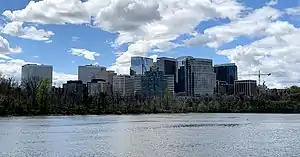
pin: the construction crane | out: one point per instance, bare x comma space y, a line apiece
261, 74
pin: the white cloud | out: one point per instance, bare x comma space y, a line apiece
127, 15
51, 12
5, 47
154, 57
171, 19
61, 78
48, 41
260, 22
4, 56
11, 68
16, 29
84, 53
278, 55
35, 56
293, 11
272, 2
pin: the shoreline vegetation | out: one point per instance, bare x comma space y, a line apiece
34, 98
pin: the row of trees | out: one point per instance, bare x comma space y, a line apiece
36, 98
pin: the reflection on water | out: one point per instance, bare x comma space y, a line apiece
183, 135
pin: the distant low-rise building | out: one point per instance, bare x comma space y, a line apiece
74, 90
245, 87
222, 87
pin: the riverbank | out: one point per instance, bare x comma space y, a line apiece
170, 113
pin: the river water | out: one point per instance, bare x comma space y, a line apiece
175, 135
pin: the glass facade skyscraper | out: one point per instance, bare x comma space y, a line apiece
169, 67
139, 65
154, 83
226, 72
200, 78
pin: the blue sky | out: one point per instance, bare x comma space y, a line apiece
69, 33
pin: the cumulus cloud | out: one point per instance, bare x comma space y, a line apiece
293, 11
5, 47
16, 29
175, 18
4, 56
51, 12
61, 78
127, 15
260, 22
272, 3
84, 53
278, 55
48, 41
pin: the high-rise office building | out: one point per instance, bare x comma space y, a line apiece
34, 72
169, 67
226, 72
180, 78
245, 87
123, 85
139, 65
154, 83
200, 78
170, 79
89, 72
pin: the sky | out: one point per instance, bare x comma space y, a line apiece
257, 35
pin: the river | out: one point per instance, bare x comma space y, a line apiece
174, 135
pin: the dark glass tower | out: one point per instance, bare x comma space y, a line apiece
226, 72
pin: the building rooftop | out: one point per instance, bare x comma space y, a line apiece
74, 81
166, 58
245, 81
36, 65
92, 66
201, 59
122, 75
226, 64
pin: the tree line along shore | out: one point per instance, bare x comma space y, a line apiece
35, 98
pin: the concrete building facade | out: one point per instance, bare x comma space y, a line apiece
74, 87
95, 87
245, 87
170, 79
123, 85
200, 78
37, 72
89, 72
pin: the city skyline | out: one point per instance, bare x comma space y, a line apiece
267, 41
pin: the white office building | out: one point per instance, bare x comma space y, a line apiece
35, 72
89, 72
123, 85
200, 78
